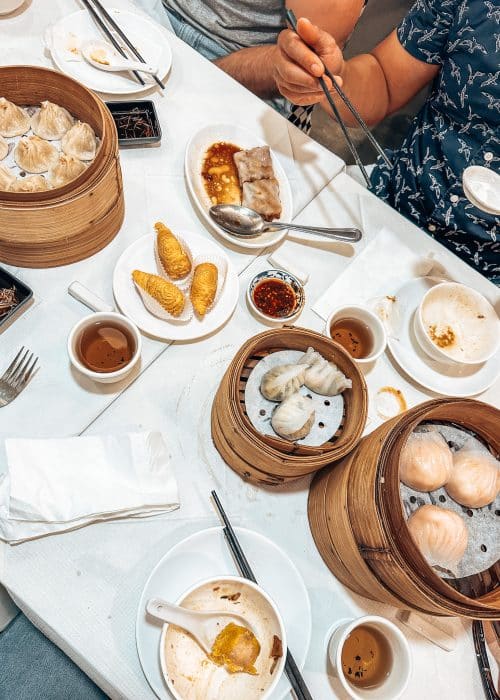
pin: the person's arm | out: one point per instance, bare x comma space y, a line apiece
254, 67
378, 83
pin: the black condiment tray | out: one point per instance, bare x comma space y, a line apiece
23, 293
147, 110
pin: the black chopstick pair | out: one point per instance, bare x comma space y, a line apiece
483, 662
291, 669
292, 21
101, 16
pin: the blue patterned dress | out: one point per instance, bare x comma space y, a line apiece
458, 126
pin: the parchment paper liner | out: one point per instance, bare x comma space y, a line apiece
154, 307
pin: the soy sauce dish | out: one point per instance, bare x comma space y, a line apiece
276, 295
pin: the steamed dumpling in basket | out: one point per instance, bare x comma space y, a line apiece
65, 169
14, 120
321, 376
32, 183
35, 155
7, 177
80, 141
51, 121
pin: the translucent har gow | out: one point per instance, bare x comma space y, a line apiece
51, 121
475, 477
14, 120
440, 534
7, 177
34, 155
426, 461
281, 382
294, 417
80, 141
64, 170
321, 376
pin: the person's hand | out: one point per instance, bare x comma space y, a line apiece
297, 67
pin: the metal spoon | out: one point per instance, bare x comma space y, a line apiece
102, 55
245, 222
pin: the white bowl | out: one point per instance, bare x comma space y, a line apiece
184, 664
118, 319
284, 276
466, 316
395, 684
363, 314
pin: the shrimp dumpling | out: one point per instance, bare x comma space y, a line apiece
440, 534
51, 121
32, 183
80, 141
293, 418
7, 177
35, 155
65, 169
14, 120
426, 461
325, 378
281, 382
475, 477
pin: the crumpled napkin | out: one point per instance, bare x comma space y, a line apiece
62, 484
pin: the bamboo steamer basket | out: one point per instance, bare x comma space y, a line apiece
70, 223
358, 523
270, 460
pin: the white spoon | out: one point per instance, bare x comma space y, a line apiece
203, 626
103, 56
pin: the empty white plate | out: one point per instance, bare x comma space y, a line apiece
195, 154
206, 554
482, 187
71, 31
140, 256
449, 380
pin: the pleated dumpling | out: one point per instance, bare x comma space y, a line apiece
173, 258
4, 148
32, 183
51, 121
80, 141
293, 418
166, 294
65, 169
7, 177
35, 155
204, 287
282, 381
14, 120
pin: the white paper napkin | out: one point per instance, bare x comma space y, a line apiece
57, 485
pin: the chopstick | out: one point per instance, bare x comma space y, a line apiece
482, 661
124, 37
112, 39
292, 20
291, 669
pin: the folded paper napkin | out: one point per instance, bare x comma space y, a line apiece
55, 485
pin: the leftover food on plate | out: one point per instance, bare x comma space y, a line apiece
236, 648
232, 175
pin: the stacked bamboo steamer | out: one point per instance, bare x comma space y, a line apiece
70, 223
357, 519
270, 460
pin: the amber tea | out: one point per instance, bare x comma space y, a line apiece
353, 335
366, 657
105, 347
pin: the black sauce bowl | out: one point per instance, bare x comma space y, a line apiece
143, 108
23, 293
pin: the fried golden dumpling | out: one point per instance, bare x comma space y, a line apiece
32, 183
171, 254
35, 155
51, 121
65, 169
14, 120
80, 141
4, 148
168, 296
204, 287
7, 177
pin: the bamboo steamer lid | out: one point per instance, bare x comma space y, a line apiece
69, 223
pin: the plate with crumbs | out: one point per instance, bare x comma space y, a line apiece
255, 178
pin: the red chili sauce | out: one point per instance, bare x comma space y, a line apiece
275, 298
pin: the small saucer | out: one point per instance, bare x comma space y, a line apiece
482, 187
282, 276
458, 380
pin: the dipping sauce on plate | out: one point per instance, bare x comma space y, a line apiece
275, 298
353, 335
366, 657
220, 175
105, 347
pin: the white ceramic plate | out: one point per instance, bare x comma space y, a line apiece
140, 255
206, 554
148, 38
449, 380
195, 153
482, 186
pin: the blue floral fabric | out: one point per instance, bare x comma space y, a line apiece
458, 126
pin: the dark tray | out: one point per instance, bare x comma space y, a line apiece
23, 293
143, 108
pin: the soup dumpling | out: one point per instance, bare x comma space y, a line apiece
32, 183
35, 155
80, 141
65, 170
7, 177
51, 121
14, 120
426, 461
4, 148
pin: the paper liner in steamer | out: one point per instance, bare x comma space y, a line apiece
154, 307
183, 283
221, 266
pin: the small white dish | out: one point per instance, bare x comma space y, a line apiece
369, 319
206, 554
282, 276
64, 40
185, 667
396, 682
456, 324
484, 186
443, 378
141, 255
7, 6
104, 317
195, 154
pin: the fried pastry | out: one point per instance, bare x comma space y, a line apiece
204, 287
173, 257
170, 297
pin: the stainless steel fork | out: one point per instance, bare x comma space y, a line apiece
16, 376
